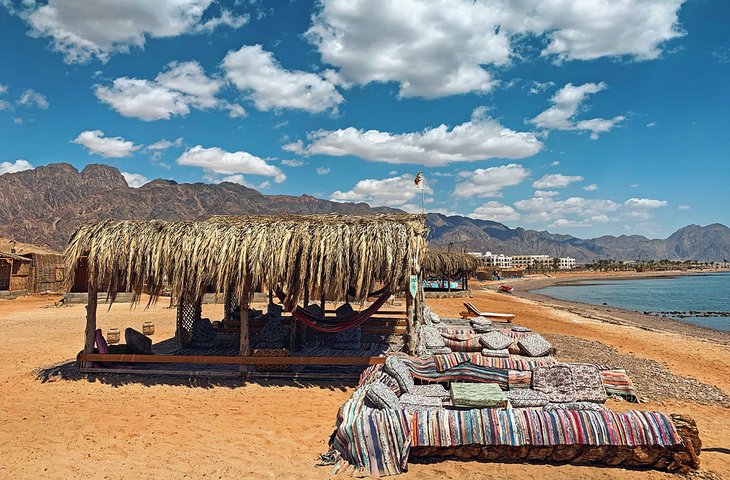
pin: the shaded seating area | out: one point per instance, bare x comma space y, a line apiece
447, 271
325, 258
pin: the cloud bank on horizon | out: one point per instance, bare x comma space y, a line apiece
571, 116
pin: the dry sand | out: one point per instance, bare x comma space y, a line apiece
165, 428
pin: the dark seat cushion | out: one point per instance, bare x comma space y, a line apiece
137, 342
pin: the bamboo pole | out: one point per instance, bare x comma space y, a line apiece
91, 304
410, 323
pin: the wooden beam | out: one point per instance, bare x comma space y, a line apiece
245, 346
227, 359
410, 323
91, 304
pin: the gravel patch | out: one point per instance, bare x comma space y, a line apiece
652, 380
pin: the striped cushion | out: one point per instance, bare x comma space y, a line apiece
575, 406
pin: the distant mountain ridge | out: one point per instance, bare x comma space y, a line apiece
45, 205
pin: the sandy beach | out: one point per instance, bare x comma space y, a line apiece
64, 426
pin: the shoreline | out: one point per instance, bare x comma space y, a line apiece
525, 288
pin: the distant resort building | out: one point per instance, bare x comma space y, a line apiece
566, 263
499, 261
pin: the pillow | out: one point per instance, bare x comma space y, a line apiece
524, 398
137, 342
495, 340
315, 310
503, 353
534, 345
555, 381
203, 332
588, 383
397, 369
274, 310
574, 406
381, 396
415, 402
435, 318
519, 329
273, 332
483, 328
101, 344
433, 337
344, 311
480, 321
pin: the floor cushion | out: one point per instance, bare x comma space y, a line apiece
483, 328
588, 383
397, 369
344, 310
381, 396
412, 401
274, 310
495, 340
555, 381
519, 329
534, 345
137, 341
477, 395
349, 339
273, 332
433, 337
523, 398
480, 321
315, 310
435, 390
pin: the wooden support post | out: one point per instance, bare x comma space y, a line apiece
244, 349
448, 282
90, 317
410, 323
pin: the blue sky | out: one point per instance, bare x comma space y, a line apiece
587, 118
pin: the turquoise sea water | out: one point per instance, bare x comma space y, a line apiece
710, 292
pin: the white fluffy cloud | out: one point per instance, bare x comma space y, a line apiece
82, 30
107, 147
496, 212
391, 192
31, 97
164, 144
489, 182
478, 139
272, 87
577, 212
323, 170
591, 188
135, 180
174, 90
556, 180
289, 162
220, 161
566, 102
16, 166
445, 47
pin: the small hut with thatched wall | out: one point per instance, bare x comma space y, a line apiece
31, 272
447, 271
302, 257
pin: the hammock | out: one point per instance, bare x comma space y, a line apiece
351, 321
334, 326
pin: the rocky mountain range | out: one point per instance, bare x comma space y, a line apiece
43, 206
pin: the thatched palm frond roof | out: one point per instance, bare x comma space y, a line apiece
319, 253
437, 263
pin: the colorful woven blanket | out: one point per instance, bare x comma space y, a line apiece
617, 382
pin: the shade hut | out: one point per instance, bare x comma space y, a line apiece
31, 272
445, 266
305, 256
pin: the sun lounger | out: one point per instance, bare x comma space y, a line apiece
472, 311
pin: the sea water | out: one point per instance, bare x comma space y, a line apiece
702, 292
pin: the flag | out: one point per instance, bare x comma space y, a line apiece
419, 180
